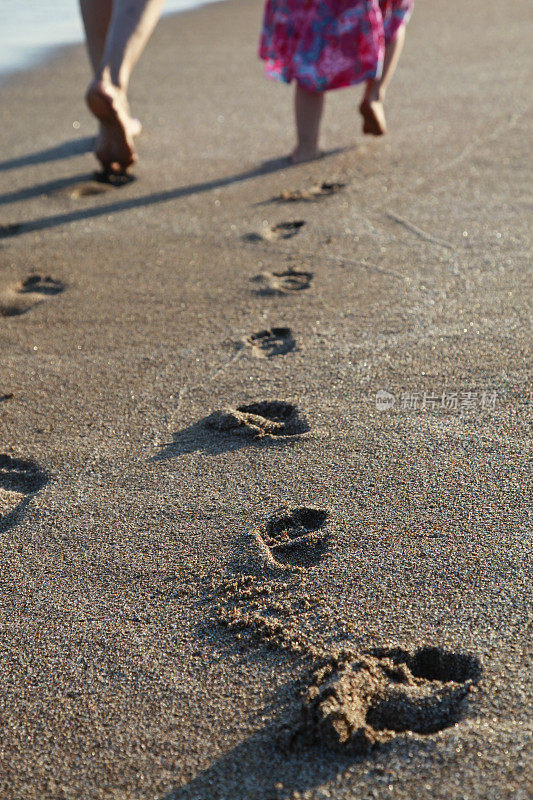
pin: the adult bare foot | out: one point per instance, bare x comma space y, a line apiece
374, 121
114, 147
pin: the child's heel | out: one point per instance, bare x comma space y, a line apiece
374, 121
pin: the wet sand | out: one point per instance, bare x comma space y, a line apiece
263, 469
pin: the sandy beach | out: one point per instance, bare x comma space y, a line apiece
264, 429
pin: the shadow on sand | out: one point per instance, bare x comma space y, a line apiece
44, 188
23, 478
156, 198
259, 768
73, 147
200, 438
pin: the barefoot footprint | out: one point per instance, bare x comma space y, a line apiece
361, 701
316, 192
272, 342
283, 230
271, 418
293, 538
31, 290
283, 282
40, 285
103, 182
19, 481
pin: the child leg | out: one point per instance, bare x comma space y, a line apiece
308, 108
372, 106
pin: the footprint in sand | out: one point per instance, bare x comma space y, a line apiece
283, 230
293, 538
271, 418
271, 342
367, 700
31, 290
19, 481
102, 183
283, 282
89, 189
314, 193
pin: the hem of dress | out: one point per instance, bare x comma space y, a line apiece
275, 75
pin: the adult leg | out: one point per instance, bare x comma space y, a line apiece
96, 15
117, 33
308, 108
372, 106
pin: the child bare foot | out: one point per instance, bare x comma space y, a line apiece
303, 153
374, 121
302, 41
114, 148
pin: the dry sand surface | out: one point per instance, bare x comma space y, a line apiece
226, 574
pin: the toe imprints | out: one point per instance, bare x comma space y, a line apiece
19, 298
293, 538
314, 193
39, 285
271, 418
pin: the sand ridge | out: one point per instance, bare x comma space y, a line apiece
350, 701
273, 418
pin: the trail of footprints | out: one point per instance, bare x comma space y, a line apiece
355, 700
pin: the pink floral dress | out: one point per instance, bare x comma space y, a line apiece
328, 44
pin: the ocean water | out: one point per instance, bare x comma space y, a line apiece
31, 29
